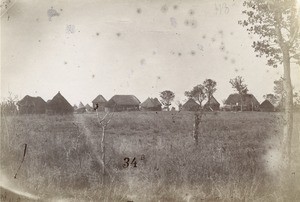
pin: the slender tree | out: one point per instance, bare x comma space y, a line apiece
8, 106
210, 88
167, 98
239, 85
276, 23
103, 122
197, 93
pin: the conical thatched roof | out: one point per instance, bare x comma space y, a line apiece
248, 99
212, 105
88, 107
80, 105
267, 106
125, 100
212, 101
151, 103
28, 100
81, 108
157, 102
99, 99
147, 103
35, 105
190, 105
59, 105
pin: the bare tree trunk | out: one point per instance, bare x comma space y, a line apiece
288, 91
103, 154
241, 101
196, 127
242, 105
288, 115
287, 179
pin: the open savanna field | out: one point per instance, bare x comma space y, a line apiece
236, 159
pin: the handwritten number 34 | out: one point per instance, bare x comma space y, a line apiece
127, 162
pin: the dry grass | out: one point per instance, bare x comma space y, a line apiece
62, 160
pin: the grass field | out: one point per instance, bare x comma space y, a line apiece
235, 160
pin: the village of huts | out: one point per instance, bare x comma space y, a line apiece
59, 105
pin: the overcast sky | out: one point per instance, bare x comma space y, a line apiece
128, 47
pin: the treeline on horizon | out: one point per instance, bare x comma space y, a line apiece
198, 93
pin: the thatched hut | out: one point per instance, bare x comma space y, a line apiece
267, 106
75, 107
212, 104
81, 109
151, 104
31, 105
81, 105
245, 102
59, 105
89, 108
123, 103
99, 103
190, 105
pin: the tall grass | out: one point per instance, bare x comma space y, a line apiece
62, 161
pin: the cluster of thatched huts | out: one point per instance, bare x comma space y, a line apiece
247, 102
36, 105
192, 105
59, 105
234, 102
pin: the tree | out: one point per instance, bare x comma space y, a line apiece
238, 84
8, 106
276, 22
197, 93
274, 99
280, 92
210, 88
104, 122
167, 97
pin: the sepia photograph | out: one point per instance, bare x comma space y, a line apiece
150, 101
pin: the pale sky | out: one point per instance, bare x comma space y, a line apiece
128, 47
